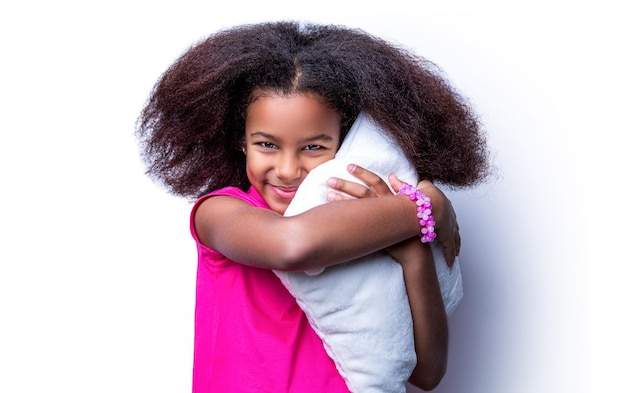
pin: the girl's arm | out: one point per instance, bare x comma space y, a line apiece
430, 324
325, 235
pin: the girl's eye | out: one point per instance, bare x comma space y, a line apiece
267, 145
313, 147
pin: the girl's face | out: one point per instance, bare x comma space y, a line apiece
286, 137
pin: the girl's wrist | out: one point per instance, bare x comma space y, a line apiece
424, 211
438, 202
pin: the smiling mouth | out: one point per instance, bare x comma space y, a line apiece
285, 192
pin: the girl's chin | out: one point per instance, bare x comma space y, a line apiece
279, 207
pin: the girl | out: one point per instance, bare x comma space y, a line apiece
237, 122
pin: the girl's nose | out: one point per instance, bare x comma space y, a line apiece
288, 167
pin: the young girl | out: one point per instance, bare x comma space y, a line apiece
237, 122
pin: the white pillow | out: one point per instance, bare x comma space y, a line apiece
360, 309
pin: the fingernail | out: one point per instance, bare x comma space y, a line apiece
331, 196
332, 182
351, 168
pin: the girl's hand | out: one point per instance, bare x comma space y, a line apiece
374, 187
345, 189
447, 227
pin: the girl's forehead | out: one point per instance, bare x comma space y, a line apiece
293, 113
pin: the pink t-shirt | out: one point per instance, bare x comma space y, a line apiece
250, 334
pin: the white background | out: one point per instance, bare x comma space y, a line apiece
97, 267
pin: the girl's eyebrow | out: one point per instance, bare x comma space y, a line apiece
262, 134
320, 137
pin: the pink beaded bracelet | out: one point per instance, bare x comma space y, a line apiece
424, 211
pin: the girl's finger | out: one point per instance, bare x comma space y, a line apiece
349, 188
336, 196
395, 182
372, 180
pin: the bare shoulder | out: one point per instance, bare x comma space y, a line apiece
219, 204
214, 212
220, 219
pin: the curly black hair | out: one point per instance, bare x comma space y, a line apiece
192, 126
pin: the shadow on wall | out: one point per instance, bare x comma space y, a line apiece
521, 326
478, 327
